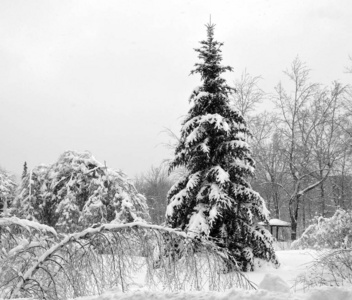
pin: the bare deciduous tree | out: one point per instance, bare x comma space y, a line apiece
308, 124
154, 185
271, 164
247, 93
349, 68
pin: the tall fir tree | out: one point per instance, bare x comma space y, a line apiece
215, 200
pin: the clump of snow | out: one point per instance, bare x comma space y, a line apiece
274, 283
197, 126
219, 174
265, 210
213, 213
198, 223
195, 135
242, 164
215, 193
175, 201
195, 92
201, 95
193, 180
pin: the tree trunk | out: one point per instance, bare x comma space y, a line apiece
304, 213
293, 208
322, 197
293, 229
276, 201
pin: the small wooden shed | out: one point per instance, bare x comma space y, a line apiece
274, 225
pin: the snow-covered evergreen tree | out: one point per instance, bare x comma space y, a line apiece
25, 170
78, 191
33, 201
215, 200
7, 190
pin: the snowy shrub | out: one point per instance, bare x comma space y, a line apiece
20, 240
330, 268
51, 266
333, 233
78, 191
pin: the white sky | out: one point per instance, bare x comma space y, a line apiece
109, 76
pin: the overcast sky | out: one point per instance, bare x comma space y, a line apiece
109, 76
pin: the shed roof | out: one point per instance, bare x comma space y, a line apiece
277, 222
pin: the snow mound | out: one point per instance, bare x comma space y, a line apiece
274, 283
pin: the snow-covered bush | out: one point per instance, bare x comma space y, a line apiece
78, 191
333, 233
7, 190
20, 241
333, 265
330, 268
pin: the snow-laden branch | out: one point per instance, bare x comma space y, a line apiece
27, 224
89, 261
82, 235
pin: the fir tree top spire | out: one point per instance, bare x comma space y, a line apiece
25, 170
210, 69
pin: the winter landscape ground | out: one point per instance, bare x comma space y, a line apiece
118, 261
271, 283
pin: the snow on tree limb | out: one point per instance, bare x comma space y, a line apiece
117, 242
27, 224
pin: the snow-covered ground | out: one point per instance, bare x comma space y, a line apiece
273, 284
293, 263
314, 294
